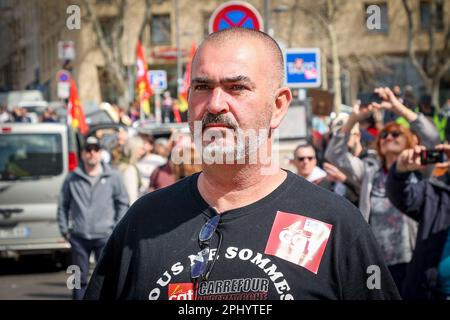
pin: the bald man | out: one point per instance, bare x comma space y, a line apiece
242, 228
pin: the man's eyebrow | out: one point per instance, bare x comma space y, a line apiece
202, 80
240, 78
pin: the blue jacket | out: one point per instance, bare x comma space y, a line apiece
427, 202
91, 211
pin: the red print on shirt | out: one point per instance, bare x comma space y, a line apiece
298, 239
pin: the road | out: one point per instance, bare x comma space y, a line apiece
32, 278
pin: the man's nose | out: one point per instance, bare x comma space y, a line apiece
217, 103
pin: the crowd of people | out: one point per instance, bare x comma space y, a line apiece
378, 168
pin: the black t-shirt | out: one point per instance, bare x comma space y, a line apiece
299, 242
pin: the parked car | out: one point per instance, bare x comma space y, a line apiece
34, 161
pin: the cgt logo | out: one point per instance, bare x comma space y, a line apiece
181, 291
298, 239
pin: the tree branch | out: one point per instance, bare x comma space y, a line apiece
323, 21
147, 19
446, 50
443, 69
292, 22
411, 48
117, 32
432, 58
113, 66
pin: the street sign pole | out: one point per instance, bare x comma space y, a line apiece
158, 82
158, 106
142, 114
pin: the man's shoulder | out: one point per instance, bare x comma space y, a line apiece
319, 203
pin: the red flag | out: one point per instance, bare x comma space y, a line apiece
182, 99
75, 114
143, 87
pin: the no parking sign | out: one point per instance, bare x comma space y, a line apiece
235, 14
63, 84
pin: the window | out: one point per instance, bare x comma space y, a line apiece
377, 18
30, 155
108, 89
161, 29
107, 25
425, 15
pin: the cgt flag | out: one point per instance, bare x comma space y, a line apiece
143, 88
182, 98
75, 114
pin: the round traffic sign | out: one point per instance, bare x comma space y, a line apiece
235, 14
63, 76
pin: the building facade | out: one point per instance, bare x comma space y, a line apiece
368, 56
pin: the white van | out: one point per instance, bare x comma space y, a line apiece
34, 160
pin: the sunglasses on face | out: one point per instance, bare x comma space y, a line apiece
92, 148
200, 267
301, 159
394, 134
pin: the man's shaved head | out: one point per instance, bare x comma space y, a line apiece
235, 34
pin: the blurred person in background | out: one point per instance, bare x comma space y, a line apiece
5, 116
330, 178
445, 111
122, 117
162, 147
409, 99
93, 199
394, 231
438, 118
21, 115
117, 153
134, 112
389, 115
339, 183
133, 151
49, 115
446, 108
187, 163
428, 202
149, 162
167, 108
305, 162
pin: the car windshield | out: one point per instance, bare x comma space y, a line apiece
30, 156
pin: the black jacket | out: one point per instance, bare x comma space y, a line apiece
428, 202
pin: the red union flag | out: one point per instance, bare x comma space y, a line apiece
298, 239
181, 291
143, 88
75, 114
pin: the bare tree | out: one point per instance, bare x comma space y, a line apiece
436, 62
325, 13
147, 19
110, 41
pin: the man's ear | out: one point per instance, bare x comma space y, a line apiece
283, 98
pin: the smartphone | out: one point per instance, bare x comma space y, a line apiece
367, 98
432, 156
